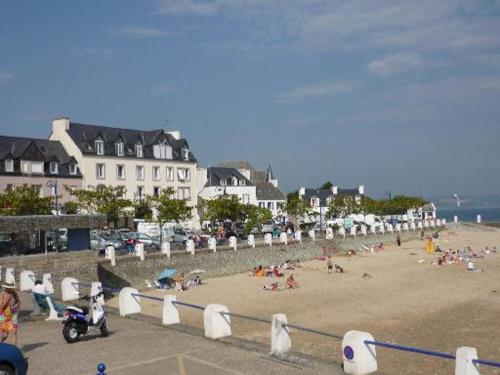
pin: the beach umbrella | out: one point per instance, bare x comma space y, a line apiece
167, 273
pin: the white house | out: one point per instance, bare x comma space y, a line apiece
139, 162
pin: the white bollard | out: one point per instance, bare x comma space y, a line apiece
110, 254
52, 311
390, 228
455, 219
358, 357
95, 289
382, 228
412, 225
372, 229
170, 312
268, 239
139, 250
233, 242
284, 238
426, 224
10, 277
463, 363
312, 234
329, 233
443, 222
47, 283
129, 304
432, 224
478, 219
26, 280
212, 244
70, 289
217, 325
190, 246
342, 231
398, 227
420, 225
165, 248
363, 230
251, 240
353, 231
298, 236
280, 335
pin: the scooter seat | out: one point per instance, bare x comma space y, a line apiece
82, 310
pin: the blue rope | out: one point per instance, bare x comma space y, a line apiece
410, 349
486, 362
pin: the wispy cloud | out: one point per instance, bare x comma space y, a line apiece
5, 78
396, 63
92, 52
140, 32
193, 7
161, 89
316, 90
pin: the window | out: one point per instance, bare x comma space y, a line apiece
36, 167
25, 166
162, 151
170, 173
9, 165
156, 191
183, 174
234, 181
140, 192
139, 172
99, 147
100, 171
185, 154
138, 151
156, 173
315, 202
262, 204
242, 182
53, 167
72, 168
270, 205
121, 191
245, 198
223, 182
119, 148
120, 172
184, 193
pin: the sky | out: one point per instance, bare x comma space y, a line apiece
398, 95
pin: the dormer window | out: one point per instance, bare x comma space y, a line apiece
315, 202
99, 147
234, 181
242, 182
185, 154
53, 167
72, 168
119, 148
9, 165
162, 151
138, 151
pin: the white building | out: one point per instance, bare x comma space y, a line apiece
136, 161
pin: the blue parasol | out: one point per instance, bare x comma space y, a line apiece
167, 273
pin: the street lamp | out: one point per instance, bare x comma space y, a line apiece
52, 184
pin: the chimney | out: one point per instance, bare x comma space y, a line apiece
60, 124
175, 133
302, 192
335, 189
361, 189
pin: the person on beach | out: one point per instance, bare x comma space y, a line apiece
398, 239
329, 264
260, 271
9, 308
291, 283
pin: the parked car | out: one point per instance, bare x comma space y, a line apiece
12, 360
149, 242
101, 242
178, 236
268, 227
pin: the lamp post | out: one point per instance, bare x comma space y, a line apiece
53, 185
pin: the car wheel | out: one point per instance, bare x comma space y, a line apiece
5, 369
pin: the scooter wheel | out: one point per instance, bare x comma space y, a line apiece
70, 333
104, 330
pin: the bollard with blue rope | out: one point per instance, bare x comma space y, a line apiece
101, 367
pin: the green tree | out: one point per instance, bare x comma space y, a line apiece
106, 200
70, 207
225, 208
296, 208
167, 209
327, 185
142, 209
24, 200
343, 206
256, 216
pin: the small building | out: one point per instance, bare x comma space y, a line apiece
215, 182
38, 163
319, 199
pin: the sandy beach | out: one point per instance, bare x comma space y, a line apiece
389, 294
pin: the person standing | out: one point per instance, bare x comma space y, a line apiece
329, 264
398, 239
9, 308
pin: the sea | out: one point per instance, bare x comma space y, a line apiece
488, 214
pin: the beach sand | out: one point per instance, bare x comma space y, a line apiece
401, 301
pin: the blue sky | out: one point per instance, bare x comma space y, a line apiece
397, 95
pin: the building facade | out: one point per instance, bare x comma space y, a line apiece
215, 182
38, 163
138, 162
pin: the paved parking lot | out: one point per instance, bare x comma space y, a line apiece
140, 347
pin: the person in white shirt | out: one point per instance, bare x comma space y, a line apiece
39, 288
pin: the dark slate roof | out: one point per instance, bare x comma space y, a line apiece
347, 192
322, 194
216, 174
265, 190
239, 164
84, 136
34, 149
